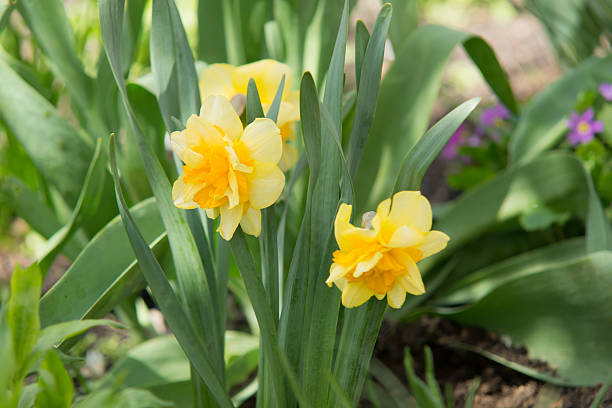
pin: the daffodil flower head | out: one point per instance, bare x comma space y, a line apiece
232, 82
381, 259
229, 170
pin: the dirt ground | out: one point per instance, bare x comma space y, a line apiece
501, 387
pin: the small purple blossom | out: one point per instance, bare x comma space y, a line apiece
451, 150
583, 127
494, 116
605, 89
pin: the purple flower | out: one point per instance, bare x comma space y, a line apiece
583, 127
605, 89
494, 116
451, 149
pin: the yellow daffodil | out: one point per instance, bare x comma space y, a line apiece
229, 170
381, 258
232, 82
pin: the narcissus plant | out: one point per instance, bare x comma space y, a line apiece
380, 259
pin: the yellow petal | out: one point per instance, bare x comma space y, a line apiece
251, 222
341, 283
356, 294
212, 213
267, 74
216, 79
288, 158
201, 133
411, 281
366, 265
435, 241
289, 111
218, 111
232, 191
347, 235
411, 208
335, 271
182, 195
396, 296
262, 139
230, 218
265, 185
406, 236
178, 143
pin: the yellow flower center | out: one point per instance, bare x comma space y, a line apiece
213, 174
583, 127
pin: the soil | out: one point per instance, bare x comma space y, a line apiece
501, 387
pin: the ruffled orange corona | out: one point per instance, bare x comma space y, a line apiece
381, 259
229, 170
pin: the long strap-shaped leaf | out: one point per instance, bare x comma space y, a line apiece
295, 301
165, 297
369, 81
193, 285
89, 197
322, 302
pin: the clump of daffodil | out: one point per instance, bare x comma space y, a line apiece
229, 170
232, 82
381, 258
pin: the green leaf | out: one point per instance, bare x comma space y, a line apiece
394, 388
5, 13
356, 344
294, 301
193, 282
50, 25
29, 206
7, 356
477, 284
211, 40
542, 217
56, 389
322, 303
127, 398
62, 156
263, 311
165, 296
241, 356
422, 394
369, 82
86, 207
22, 310
404, 22
95, 282
362, 37
274, 40
154, 363
406, 97
419, 158
542, 123
56, 334
569, 316
173, 65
